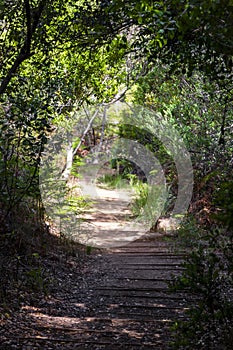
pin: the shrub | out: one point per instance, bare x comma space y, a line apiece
208, 277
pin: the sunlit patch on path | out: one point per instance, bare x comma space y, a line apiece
121, 300
109, 221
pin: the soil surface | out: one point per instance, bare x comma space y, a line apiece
109, 221
114, 298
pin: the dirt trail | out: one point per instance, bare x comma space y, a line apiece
118, 300
109, 221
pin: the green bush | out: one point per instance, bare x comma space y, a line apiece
112, 181
224, 202
141, 194
208, 280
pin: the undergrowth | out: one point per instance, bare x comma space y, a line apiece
115, 181
208, 278
28, 242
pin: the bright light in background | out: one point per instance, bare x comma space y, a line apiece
53, 185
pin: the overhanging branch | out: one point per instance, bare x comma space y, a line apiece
25, 51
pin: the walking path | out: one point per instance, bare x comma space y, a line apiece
109, 221
119, 299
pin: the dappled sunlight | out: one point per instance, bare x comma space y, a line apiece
108, 222
123, 299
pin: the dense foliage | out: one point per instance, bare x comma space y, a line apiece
173, 57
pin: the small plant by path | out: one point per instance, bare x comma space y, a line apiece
208, 276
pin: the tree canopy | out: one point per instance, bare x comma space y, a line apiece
56, 55
196, 33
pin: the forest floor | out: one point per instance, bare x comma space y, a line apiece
117, 297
